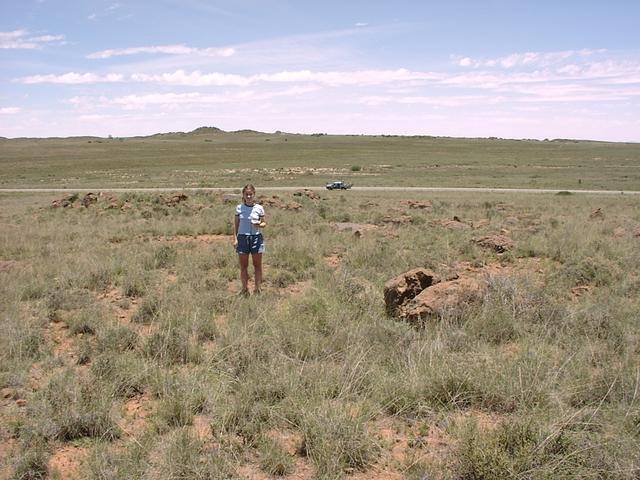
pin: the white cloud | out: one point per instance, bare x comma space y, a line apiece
526, 59
362, 24
167, 100
73, 78
197, 78
164, 49
9, 110
435, 101
21, 39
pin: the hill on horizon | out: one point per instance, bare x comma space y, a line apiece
211, 130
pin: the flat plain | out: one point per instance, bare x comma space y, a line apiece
127, 353
208, 157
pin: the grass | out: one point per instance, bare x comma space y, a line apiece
123, 337
218, 159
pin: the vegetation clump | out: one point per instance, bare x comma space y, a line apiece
124, 339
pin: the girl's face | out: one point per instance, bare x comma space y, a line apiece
248, 196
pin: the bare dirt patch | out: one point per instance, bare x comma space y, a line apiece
66, 462
6, 265
135, 412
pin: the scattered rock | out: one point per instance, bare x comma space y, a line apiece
175, 199
66, 201
9, 393
397, 220
89, 199
498, 243
580, 290
307, 193
636, 233
481, 223
455, 224
277, 202
619, 232
6, 265
358, 229
273, 201
293, 206
597, 214
230, 198
444, 297
418, 205
401, 289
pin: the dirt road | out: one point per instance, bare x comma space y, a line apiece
289, 189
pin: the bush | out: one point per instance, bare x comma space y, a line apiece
336, 439
69, 408
274, 459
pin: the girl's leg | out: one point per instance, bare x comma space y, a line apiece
244, 270
257, 266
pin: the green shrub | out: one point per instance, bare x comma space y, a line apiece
148, 310
118, 338
274, 459
336, 439
68, 408
126, 374
171, 346
31, 463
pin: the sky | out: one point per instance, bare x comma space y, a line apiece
493, 68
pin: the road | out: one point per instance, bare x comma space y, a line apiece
290, 189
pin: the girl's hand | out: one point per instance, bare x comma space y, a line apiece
262, 224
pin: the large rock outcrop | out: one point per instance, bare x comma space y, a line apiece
399, 290
419, 294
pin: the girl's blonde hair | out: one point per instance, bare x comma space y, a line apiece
248, 186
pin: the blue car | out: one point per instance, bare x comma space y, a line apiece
338, 186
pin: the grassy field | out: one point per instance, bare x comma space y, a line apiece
126, 352
211, 158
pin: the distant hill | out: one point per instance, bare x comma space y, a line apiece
206, 130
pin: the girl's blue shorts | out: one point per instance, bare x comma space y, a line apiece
250, 244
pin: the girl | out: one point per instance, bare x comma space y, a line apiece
248, 223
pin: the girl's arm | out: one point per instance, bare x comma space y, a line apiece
236, 225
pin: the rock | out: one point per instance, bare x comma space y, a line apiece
88, 199
397, 220
6, 265
9, 393
307, 193
419, 205
230, 198
444, 297
455, 224
597, 213
369, 205
498, 243
401, 289
175, 199
580, 290
342, 226
66, 201
481, 223
293, 206
619, 232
